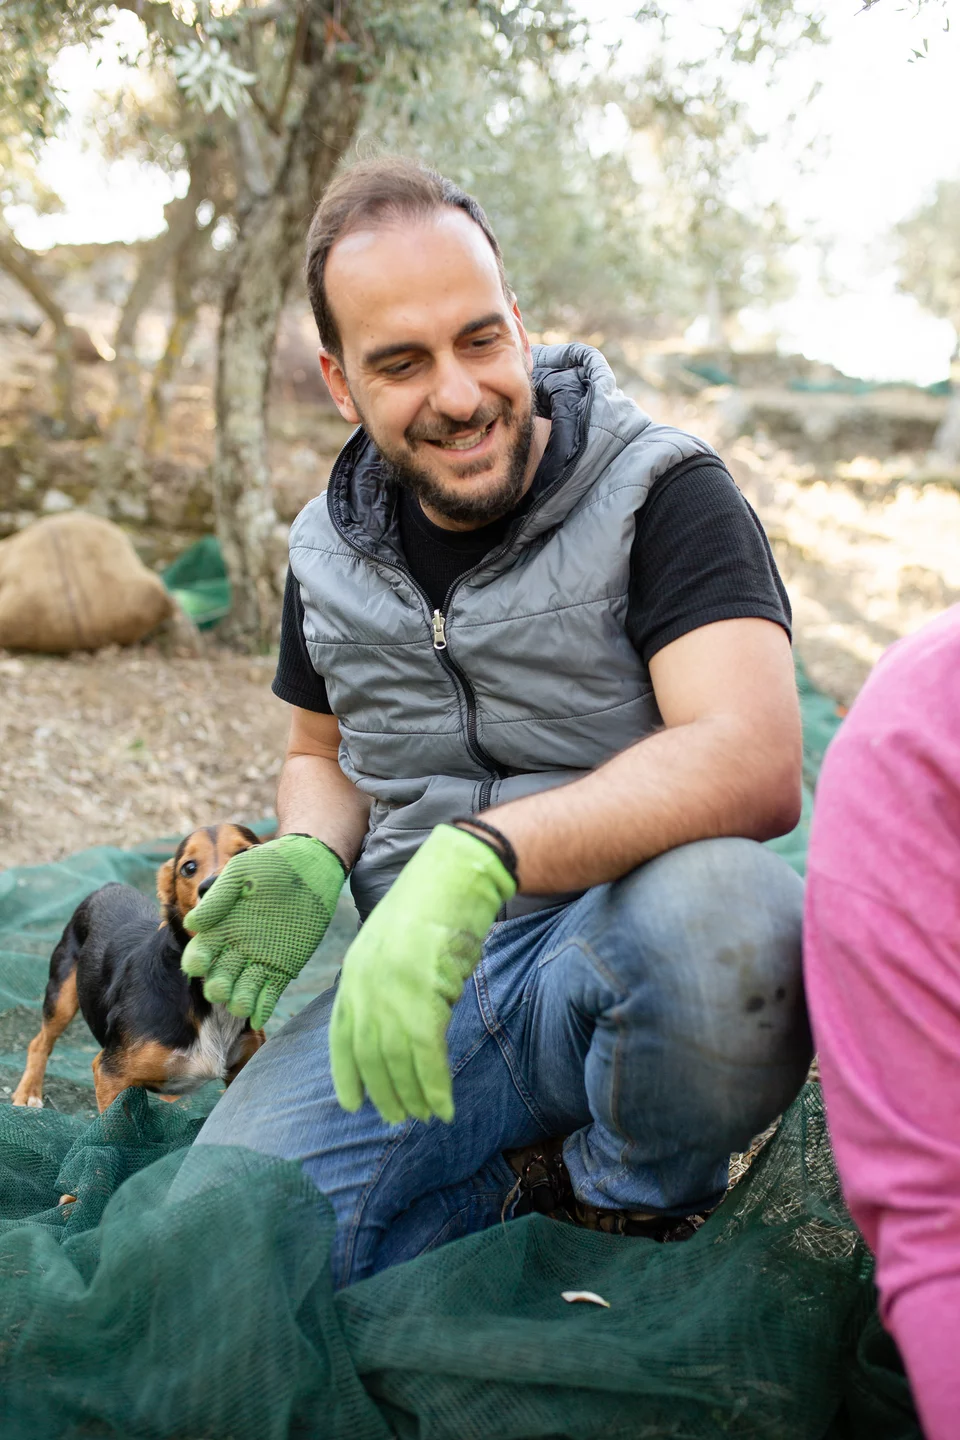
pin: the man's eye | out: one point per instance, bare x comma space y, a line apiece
400, 369
188, 868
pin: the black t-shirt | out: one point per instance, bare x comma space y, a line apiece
699, 555
437, 558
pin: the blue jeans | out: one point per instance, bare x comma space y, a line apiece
658, 1022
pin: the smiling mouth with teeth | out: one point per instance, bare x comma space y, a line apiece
465, 442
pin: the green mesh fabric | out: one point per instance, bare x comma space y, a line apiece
820, 721
199, 583
132, 1313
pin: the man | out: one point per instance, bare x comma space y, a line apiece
543, 705
882, 954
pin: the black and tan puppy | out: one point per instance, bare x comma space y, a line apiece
119, 964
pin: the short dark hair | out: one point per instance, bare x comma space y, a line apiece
380, 192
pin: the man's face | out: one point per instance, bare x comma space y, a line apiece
436, 364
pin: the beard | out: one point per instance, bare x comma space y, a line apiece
445, 497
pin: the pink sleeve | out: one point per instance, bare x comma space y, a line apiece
882, 955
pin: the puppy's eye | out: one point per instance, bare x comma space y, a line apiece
188, 868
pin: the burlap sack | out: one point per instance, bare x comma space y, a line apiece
75, 582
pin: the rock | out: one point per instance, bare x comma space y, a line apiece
180, 496
295, 369
303, 458
129, 507
178, 636
834, 428
55, 502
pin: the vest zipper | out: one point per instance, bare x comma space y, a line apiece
470, 700
438, 624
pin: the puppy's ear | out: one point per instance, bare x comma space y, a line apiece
166, 885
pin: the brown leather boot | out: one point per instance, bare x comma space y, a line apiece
543, 1187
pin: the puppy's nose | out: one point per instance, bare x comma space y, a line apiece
204, 886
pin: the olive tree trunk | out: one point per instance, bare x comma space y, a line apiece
272, 226
187, 268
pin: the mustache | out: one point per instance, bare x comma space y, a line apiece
446, 429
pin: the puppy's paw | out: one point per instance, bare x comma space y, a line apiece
24, 1097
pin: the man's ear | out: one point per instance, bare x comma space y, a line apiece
336, 383
166, 885
524, 339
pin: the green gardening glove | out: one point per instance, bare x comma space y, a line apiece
260, 922
404, 972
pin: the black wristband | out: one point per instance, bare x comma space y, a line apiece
497, 842
303, 835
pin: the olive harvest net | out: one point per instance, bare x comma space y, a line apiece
132, 1312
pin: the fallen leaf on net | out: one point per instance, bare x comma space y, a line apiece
588, 1296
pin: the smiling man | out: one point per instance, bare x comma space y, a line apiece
543, 709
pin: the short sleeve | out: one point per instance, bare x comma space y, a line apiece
699, 555
296, 681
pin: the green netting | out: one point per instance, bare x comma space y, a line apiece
847, 385
713, 374
135, 1312
198, 581
841, 385
820, 721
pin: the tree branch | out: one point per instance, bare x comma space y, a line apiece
253, 170
296, 55
18, 262
260, 104
180, 215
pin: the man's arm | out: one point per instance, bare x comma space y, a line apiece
727, 762
314, 796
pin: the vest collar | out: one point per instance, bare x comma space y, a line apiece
592, 422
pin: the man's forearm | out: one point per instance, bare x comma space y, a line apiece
690, 782
316, 798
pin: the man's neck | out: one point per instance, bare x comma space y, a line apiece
538, 444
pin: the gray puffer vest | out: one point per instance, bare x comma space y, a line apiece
527, 678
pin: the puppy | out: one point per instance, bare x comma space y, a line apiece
119, 964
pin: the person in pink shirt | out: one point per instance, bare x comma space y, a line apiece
882, 957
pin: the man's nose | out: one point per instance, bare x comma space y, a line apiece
456, 393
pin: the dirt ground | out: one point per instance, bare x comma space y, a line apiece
864, 563
127, 745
